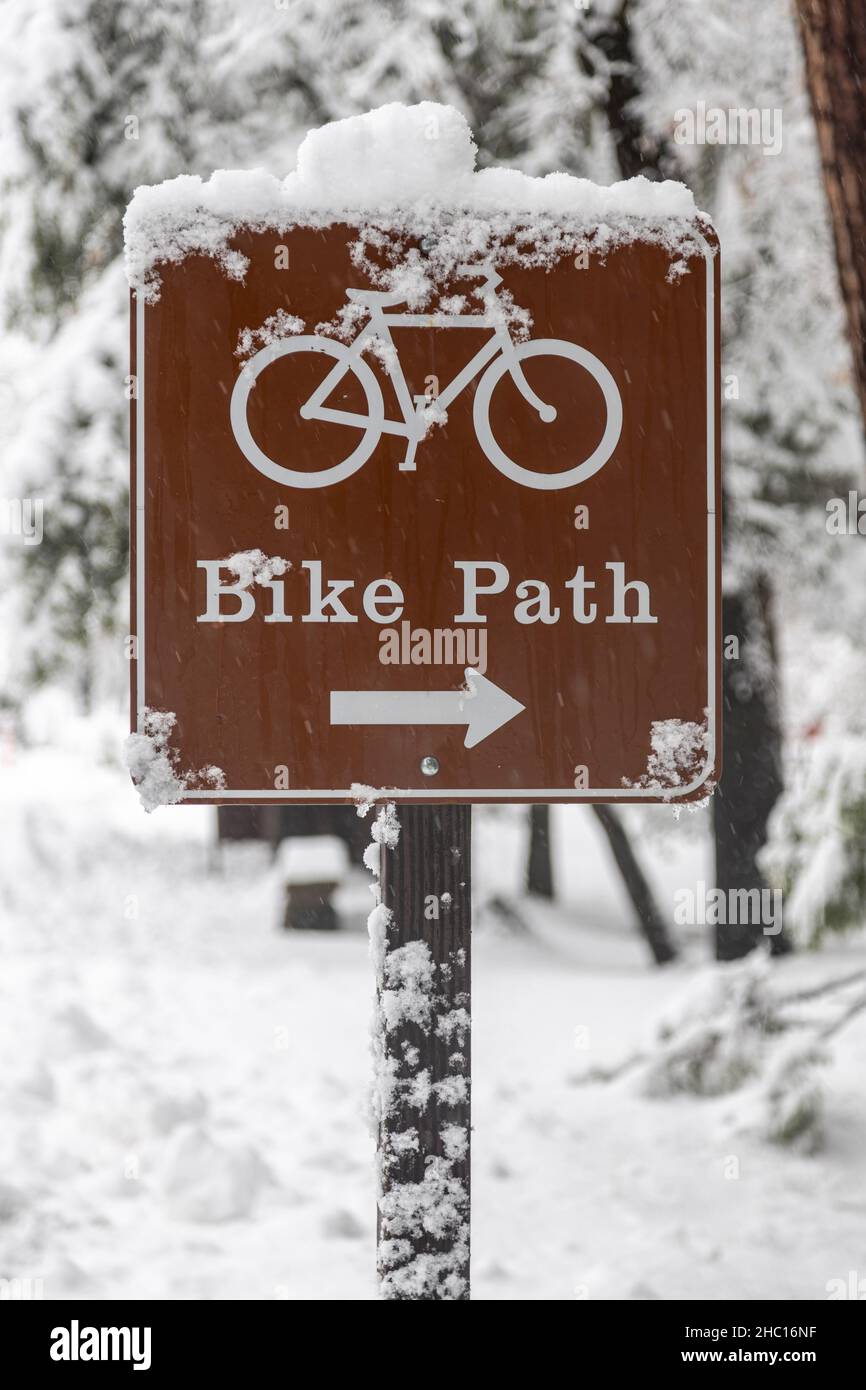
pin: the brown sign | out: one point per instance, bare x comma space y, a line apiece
467, 555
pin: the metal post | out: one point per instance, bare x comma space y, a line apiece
424, 1056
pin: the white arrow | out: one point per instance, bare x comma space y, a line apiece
483, 708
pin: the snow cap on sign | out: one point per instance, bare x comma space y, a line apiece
395, 154
409, 170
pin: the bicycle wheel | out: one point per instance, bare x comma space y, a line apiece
587, 361
278, 472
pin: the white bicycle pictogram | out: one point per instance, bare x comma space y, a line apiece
500, 355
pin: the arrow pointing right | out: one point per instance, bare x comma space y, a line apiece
483, 707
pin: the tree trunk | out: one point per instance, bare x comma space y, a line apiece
751, 780
649, 918
637, 150
539, 869
834, 40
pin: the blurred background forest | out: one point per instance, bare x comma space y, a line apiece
103, 95
99, 96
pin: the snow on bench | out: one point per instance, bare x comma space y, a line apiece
310, 869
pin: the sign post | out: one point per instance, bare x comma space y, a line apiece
428, 529
425, 1128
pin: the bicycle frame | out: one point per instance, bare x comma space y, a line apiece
413, 427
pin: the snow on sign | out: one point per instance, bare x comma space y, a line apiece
425, 463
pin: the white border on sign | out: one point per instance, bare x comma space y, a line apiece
428, 792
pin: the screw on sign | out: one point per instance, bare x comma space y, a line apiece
426, 474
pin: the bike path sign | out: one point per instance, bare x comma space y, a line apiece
465, 554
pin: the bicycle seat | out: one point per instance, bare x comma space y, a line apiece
376, 296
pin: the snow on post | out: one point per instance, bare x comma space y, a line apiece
420, 944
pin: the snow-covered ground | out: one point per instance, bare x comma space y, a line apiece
183, 1084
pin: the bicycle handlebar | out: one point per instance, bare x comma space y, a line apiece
491, 279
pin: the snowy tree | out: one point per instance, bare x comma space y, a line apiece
99, 99
790, 431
